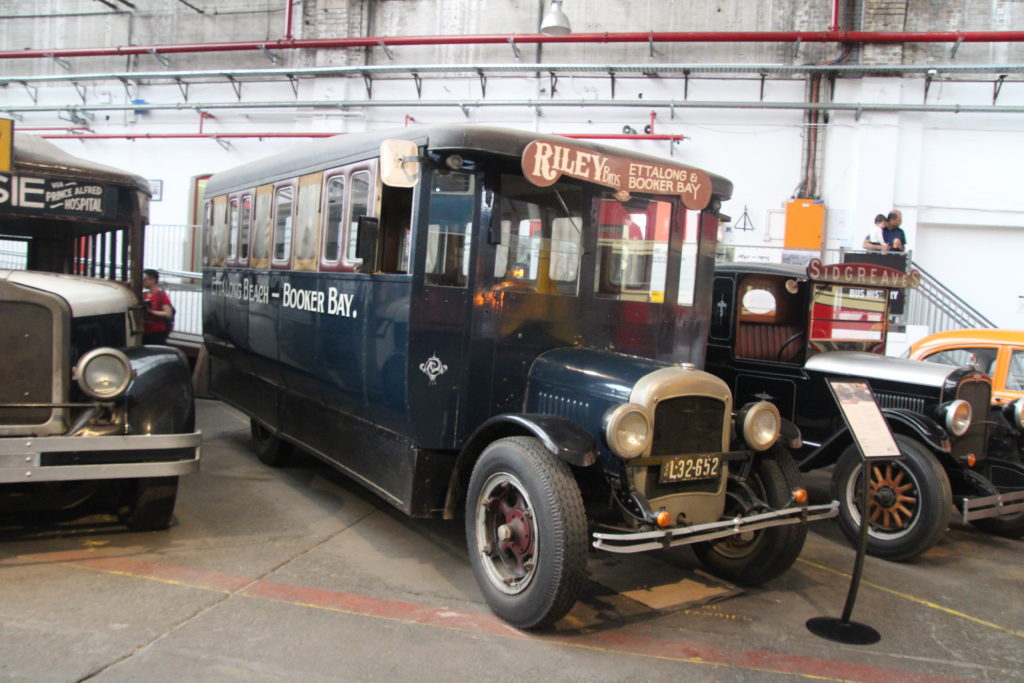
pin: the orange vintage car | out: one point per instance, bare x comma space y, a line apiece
996, 352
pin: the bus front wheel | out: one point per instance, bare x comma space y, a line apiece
526, 532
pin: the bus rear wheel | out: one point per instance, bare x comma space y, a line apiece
270, 449
526, 532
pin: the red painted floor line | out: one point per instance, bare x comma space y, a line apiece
103, 560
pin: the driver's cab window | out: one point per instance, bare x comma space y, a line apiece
770, 323
632, 249
539, 249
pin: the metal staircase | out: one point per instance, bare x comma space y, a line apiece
935, 305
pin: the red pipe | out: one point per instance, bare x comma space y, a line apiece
834, 26
287, 19
684, 37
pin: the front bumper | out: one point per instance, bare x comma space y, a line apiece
998, 505
643, 541
68, 458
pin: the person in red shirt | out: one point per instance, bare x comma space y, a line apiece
159, 311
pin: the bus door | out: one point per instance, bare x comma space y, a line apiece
439, 317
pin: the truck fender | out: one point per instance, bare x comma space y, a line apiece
563, 438
901, 421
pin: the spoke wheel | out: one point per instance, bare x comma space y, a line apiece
526, 531
909, 500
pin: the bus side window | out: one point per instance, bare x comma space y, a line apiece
333, 218
307, 214
283, 204
261, 228
359, 205
219, 233
232, 229
207, 230
244, 221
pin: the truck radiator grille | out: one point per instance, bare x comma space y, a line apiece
26, 337
979, 395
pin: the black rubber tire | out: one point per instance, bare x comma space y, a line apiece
758, 556
543, 514
148, 503
270, 449
929, 502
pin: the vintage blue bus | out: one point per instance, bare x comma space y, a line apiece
505, 324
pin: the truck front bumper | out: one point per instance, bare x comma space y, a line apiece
68, 458
643, 541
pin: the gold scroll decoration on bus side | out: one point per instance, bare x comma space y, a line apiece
545, 162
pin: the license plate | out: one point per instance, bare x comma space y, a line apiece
690, 468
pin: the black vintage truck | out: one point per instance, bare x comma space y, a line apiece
87, 414
780, 331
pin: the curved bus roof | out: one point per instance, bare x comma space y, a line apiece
342, 149
35, 156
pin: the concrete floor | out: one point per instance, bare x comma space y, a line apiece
300, 574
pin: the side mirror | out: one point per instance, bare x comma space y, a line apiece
366, 243
399, 163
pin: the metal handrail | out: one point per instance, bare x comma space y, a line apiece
939, 308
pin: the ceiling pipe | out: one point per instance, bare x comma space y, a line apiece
465, 105
852, 37
210, 136
288, 8
642, 69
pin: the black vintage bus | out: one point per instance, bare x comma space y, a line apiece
87, 414
505, 323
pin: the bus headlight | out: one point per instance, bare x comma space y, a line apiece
627, 427
103, 373
958, 417
760, 423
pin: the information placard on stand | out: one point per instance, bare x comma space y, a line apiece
874, 442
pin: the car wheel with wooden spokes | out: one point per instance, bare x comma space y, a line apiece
909, 500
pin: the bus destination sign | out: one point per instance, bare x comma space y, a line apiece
545, 162
864, 274
57, 197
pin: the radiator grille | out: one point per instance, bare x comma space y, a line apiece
687, 424
979, 395
26, 337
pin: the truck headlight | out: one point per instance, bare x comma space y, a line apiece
760, 423
103, 373
627, 427
958, 416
